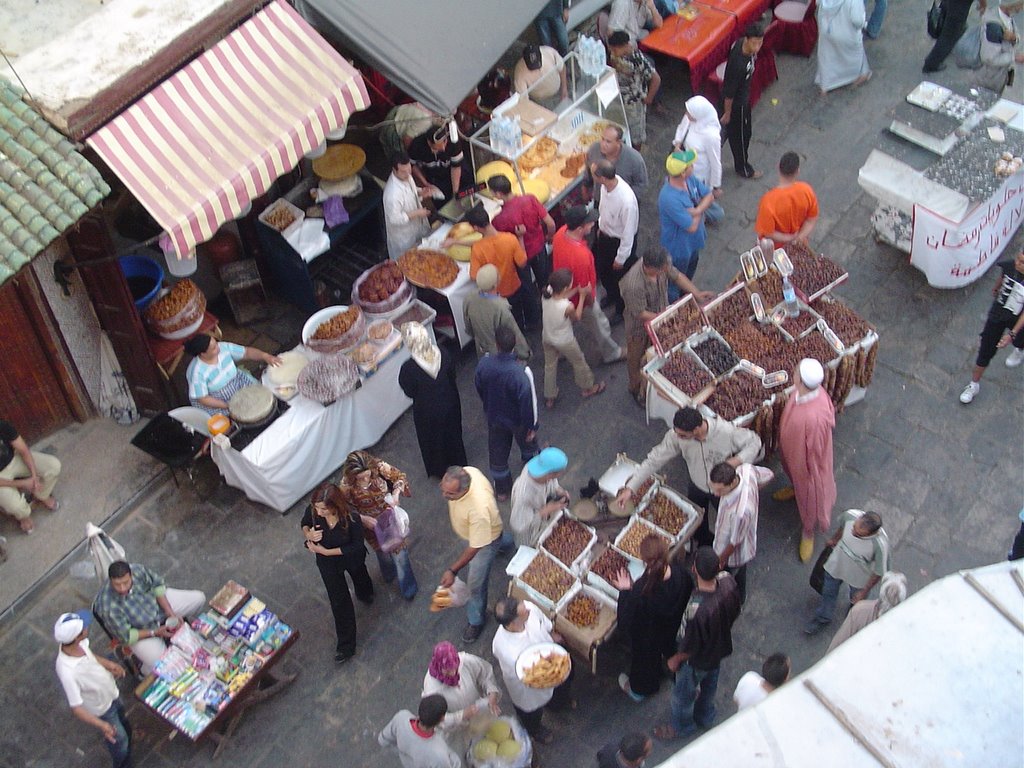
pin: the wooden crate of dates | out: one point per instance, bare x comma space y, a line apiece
680, 376
814, 274
675, 324
737, 398
670, 513
729, 309
629, 539
605, 561
585, 621
546, 580
567, 540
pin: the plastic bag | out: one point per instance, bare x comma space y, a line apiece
334, 211
967, 51
459, 593
392, 528
520, 760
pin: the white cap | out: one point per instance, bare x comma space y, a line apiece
811, 373
70, 625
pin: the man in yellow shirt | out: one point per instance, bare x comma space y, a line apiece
473, 512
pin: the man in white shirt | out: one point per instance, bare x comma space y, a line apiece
634, 16
754, 688
618, 222
542, 68
404, 214
419, 743
90, 686
524, 624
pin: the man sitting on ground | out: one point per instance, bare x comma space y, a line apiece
788, 212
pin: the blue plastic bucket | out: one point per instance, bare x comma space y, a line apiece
145, 277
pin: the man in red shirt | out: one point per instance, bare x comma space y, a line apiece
506, 253
788, 212
569, 250
525, 217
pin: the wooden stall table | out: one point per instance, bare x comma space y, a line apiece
702, 43
168, 352
263, 684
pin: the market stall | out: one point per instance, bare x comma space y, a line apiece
733, 357
569, 575
342, 394
218, 665
956, 215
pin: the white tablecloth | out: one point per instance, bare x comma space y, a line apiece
310, 441
457, 292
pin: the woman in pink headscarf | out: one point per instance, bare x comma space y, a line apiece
467, 683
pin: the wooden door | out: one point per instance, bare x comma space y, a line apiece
116, 311
39, 389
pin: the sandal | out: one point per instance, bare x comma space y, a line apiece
665, 732
597, 389
27, 526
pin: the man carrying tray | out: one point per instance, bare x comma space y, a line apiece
524, 624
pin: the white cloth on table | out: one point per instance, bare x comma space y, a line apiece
507, 646
841, 56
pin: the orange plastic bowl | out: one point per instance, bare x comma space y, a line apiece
218, 424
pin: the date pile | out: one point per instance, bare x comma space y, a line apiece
665, 514
756, 343
381, 284
770, 288
567, 540
731, 312
634, 537
679, 326
814, 345
794, 326
685, 373
811, 272
847, 324
583, 611
608, 565
547, 577
736, 396
716, 356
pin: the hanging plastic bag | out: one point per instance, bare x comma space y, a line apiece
967, 51
391, 529
455, 596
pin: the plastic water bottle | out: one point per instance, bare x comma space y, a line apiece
789, 297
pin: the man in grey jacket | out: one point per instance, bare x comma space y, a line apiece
702, 443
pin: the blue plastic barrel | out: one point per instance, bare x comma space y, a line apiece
144, 276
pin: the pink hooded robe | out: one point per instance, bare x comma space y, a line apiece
805, 445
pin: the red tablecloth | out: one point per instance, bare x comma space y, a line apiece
701, 43
745, 11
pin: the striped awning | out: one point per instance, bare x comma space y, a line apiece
196, 149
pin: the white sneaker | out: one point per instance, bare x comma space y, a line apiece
969, 392
1015, 358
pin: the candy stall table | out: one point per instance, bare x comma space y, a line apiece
218, 666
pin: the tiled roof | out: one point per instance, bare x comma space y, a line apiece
45, 185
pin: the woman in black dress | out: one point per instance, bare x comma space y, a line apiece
333, 532
428, 378
650, 610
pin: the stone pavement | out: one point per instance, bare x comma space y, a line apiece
946, 479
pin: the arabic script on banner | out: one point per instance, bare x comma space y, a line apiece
952, 255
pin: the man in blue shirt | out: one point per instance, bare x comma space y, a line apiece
510, 404
681, 205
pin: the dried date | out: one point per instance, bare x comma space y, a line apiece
730, 312
847, 324
811, 272
814, 345
665, 514
755, 343
609, 564
795, 326
567, 540
685, 373
634, 537
583, 611
679, 326
736, 396
547, 577
716, 356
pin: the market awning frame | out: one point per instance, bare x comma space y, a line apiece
200, 146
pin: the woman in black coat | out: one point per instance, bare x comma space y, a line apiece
428, 379
334, 533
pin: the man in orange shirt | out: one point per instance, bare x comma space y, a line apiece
788, 212
504, 251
